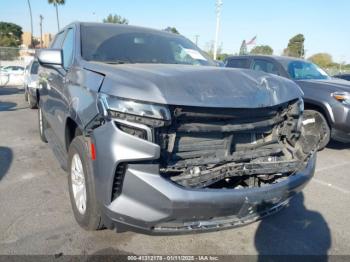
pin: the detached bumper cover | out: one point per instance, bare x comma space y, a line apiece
154, 205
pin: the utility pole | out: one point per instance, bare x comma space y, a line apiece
41, 30
218, 18
196, 37
31, 24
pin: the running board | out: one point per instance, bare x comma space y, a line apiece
57, 149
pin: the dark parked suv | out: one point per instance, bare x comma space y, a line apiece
327, 99
156, 138
343, 76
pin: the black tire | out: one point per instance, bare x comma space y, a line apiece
320, 125
25, 95
91, 219
32, 101
42, 126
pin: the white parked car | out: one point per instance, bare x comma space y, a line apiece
15, 70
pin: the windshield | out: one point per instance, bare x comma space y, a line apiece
302, 70
127, 44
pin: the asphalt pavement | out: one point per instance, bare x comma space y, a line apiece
36, 216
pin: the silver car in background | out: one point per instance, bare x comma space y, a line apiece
31, 83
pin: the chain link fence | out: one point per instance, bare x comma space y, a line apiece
12, 65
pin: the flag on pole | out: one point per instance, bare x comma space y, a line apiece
252, 41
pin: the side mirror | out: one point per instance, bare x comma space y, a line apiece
50, 57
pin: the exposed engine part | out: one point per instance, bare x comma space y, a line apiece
232, 148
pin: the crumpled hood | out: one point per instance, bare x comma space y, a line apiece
195, 85
331, 85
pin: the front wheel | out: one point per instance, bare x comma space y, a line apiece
315, 123
42, 125
81, 186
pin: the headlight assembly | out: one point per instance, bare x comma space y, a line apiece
134, 117
135, 111
342, 97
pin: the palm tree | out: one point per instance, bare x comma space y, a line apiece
56, 3
31, 24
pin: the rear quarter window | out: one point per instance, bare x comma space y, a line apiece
265, 66
237, 63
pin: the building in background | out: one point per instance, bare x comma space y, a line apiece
26, 40
47, 38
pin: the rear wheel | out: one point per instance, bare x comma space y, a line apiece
316, 123
25, 95
31, 101
81, 186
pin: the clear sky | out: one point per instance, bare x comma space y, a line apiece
325, 23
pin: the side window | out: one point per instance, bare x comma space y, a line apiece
57, 43
265, 66
237, 63
34, 68
68, 48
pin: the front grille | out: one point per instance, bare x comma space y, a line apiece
203, 146
205, 135
118, 180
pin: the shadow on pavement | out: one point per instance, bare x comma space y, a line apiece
338, 145
7, 106
6, 157
10, 90
294, 231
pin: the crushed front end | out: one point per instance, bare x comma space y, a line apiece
234, 148
202, 168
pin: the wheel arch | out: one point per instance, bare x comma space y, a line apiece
72, 129
311, 105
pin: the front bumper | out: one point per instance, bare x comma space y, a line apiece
152, 204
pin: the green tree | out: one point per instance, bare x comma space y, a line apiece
172, 30
262, 50
223, 56
295, 46
322, 59
36, 43
243, 50
56, 3
10, 37
12, 31
115, 19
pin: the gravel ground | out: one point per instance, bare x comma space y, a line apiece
36, 217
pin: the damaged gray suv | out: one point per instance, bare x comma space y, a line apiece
157, 139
